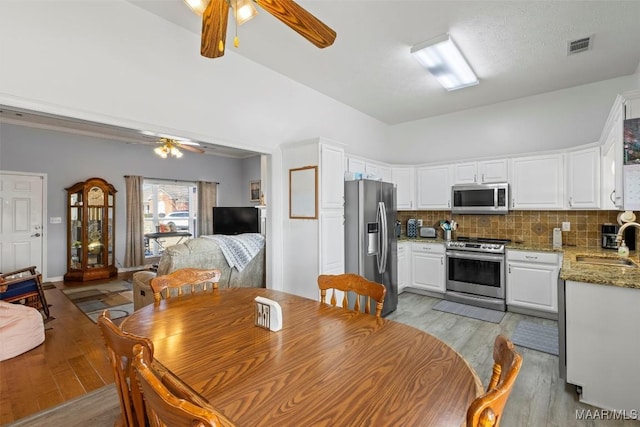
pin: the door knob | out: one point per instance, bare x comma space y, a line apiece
35, 235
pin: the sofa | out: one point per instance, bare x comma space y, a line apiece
201, 252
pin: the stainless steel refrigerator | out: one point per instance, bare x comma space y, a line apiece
370, 238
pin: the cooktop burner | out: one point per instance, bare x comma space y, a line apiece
482, 240
478, 244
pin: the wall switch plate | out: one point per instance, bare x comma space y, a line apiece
419, 223
55, 220
566, 226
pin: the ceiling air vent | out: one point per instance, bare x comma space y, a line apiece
580, 45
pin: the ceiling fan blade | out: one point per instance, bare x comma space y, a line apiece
301, 21
214, 29
192, 148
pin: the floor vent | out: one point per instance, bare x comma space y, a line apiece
580, 45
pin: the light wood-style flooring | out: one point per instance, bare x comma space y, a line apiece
73, 362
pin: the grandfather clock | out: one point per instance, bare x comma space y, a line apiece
90, 230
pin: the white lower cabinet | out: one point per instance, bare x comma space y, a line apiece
602, 344
428, 267
404, 269
532, 281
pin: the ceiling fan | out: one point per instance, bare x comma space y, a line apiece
171, 147
215, 14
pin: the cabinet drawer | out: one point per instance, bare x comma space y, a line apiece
535, 257
432, 248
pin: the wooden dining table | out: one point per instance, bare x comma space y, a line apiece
327, 366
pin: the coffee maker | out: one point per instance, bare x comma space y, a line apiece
608, 236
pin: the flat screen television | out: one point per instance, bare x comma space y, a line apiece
235, 220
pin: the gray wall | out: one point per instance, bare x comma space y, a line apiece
69, 158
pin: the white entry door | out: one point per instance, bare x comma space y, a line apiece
21, 221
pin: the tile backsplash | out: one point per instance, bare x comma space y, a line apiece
531, 227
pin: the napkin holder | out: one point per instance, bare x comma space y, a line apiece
268, 314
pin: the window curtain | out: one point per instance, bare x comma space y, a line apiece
207, 193
134, 255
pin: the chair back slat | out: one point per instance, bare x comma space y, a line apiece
120, 349
486, 410
349, 282
164, 408
185, 278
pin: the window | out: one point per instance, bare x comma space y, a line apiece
168, 206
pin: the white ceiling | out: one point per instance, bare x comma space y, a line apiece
517, 48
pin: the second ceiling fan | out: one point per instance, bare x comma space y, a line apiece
215, 15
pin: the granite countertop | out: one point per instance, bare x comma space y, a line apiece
626, 277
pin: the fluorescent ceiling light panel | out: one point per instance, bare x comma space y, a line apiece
443, 59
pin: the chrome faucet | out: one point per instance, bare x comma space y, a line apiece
622, 228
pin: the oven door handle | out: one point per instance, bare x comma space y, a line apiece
475, 256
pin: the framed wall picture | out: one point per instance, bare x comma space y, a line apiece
303, 192
254, 191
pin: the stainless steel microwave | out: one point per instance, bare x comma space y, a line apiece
480, 198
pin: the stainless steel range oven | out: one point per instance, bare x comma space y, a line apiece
475, 272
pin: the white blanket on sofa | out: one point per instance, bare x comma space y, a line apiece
240, 249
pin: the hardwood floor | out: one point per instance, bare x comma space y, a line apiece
73, 362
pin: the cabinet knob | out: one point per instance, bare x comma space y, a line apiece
35, 235
475, 178
570, 201
482, 177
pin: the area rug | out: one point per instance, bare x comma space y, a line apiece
48, 285
536, 336
471, 311
92, 300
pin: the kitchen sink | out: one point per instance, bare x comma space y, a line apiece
616, 262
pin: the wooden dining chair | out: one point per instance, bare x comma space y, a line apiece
194, 279
352, 283
164, 408
487, 409
120, 349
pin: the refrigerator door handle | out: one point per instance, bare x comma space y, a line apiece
384, 244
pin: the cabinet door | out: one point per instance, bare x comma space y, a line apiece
427, 267
465, 173
537, 182
493, 171
533, 286
434, 187
384, 172
404, 178
583, 182
404, 271
331, 242
356, 165
331, 177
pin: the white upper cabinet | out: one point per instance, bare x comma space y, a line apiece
331, 177
434, 187
377, 171
404, 178
465, 173
481, 172
493, 171
537, 182
583, 178
355, 165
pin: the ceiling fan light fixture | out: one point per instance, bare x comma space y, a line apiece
244, 10
198, 6
168, 148
444, 60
